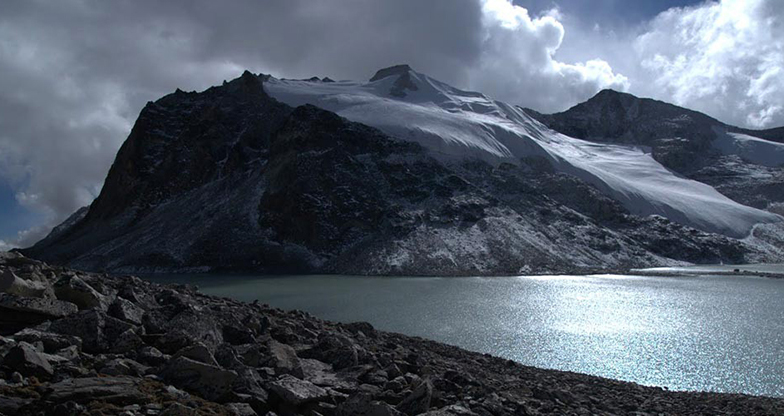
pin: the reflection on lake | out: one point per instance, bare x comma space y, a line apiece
720, 333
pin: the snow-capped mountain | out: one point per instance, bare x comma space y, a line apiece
456, 124
404, 174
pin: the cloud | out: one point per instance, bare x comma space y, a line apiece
77, 72
25, 238
517, 62
723, 58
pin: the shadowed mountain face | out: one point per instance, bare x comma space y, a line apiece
232, 179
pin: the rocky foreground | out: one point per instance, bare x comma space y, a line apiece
75, 343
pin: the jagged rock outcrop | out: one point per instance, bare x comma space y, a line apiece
232, 179
286, 363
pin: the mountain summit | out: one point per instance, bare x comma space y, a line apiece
404, 174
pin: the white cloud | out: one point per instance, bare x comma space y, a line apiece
723, 58
518, 64
26, 238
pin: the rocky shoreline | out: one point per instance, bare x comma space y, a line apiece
76, 343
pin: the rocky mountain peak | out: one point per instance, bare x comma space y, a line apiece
395, 70
403, 83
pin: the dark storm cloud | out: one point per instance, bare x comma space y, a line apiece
76, 73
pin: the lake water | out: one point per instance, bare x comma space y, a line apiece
719, 333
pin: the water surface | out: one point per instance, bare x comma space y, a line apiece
714, 333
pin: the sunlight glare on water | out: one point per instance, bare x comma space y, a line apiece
689, 333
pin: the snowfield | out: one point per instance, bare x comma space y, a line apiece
457, 125
750, 148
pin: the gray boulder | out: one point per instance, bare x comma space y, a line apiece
98, 331
240, 409
453, 410
284, 359
126, 342
364, 405
208, 381
114, 390
11, 405
151, 356
123, 367
338, 350
198, 352
18, 312
295, 392
52, 342
418, 401
125, 310
73, 289
12, 284
27, 361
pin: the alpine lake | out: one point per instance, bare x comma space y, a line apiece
697, 328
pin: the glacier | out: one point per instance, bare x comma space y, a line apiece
457, 125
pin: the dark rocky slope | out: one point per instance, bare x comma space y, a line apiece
231, 179
74, 343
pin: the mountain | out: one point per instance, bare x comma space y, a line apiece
745, 165
404, 174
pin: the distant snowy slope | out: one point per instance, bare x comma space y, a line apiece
755, 150
456, 124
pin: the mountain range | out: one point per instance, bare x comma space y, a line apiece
406, 175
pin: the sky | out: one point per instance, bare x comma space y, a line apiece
74, 74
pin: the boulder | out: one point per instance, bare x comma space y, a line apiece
238, 335
364, 328
97, 330
17, 312
284, 359
151, 356
125, 310
27, 361
198, 352
115, 390
418, 401
69, 408
189, 327
51, 341
73, 289
6, 344
295, 392
248, 387
126, 342
364, 405
11, 405
178, 409
70, 353
123, 367
12, 284
453, 410
208, 381
240, 409
338, 350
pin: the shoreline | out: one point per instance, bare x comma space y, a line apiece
652, 272
124, 344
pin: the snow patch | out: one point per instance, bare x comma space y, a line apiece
750, 148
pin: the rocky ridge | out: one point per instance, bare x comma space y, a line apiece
75, 343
